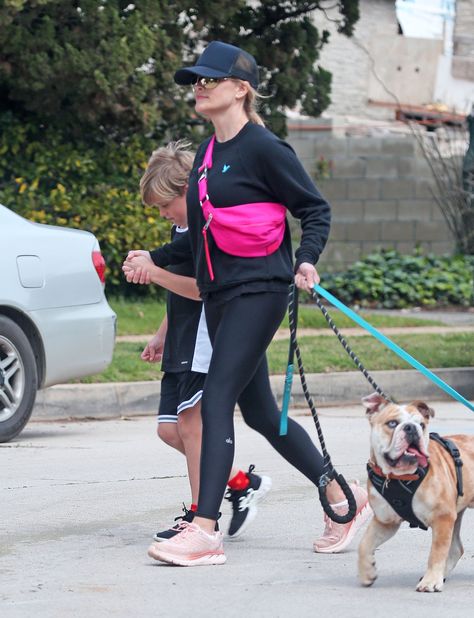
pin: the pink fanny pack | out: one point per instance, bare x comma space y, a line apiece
246, 230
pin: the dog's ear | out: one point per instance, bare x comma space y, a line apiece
423, 408
373, 403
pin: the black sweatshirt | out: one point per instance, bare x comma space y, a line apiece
253, 166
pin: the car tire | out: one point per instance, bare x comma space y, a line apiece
18, 379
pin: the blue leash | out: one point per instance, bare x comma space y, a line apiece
293, 320
393, 346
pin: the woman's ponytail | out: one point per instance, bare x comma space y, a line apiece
250, 106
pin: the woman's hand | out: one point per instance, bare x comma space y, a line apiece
137, 267
139, 252
306, 277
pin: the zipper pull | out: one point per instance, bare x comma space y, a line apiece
208, 222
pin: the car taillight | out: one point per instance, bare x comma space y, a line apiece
99, 265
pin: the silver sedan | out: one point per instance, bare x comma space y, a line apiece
55, 322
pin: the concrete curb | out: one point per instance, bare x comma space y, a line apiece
117, 399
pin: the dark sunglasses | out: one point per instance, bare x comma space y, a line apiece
208, 83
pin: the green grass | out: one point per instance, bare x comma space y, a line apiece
142, 317
320, 355
137, 317
311, 317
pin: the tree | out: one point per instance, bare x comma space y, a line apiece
449, 152
87, 64
107, 65
87, 92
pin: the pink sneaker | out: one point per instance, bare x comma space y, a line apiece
191, 547
337, 537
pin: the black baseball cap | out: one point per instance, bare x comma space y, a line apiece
220, 60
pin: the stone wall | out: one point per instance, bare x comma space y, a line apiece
380, 193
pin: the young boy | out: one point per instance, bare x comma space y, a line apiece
182, 342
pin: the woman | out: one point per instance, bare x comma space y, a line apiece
182, 343
245, 294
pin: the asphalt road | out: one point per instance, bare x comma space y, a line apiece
80, 501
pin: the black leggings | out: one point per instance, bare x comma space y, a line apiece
241, 330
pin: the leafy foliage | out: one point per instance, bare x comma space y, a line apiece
391, 280
90, 64
71, 184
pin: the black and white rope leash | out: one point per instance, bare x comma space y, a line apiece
346, 347
329, 473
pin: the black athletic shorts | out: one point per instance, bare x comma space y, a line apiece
179, 391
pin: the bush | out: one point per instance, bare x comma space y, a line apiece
389, 279
91, 186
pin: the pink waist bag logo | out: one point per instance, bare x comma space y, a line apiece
246, 230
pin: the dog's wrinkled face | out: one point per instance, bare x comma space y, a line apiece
399, 434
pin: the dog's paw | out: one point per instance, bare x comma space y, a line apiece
367, 573
430, 583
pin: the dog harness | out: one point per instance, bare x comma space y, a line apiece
398, 491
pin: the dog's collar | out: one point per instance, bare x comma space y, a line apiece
396, 477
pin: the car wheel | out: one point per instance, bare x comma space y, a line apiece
18, 379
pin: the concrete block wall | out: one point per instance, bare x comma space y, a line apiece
380, 193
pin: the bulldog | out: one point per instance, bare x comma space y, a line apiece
400, 452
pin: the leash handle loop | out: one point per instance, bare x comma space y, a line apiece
324, 480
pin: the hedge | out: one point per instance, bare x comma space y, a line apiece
389, 279
86, 185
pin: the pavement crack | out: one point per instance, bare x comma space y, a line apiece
107, 482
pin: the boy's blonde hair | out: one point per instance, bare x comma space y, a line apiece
167, 173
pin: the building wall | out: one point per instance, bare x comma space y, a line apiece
407, 67
463, 41
380, 193
414, 70
349, 59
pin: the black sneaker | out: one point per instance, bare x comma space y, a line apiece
244, 502
171, 532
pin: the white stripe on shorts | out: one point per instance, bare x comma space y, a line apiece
167, 418
184, 405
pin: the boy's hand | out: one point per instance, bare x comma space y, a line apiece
153, 351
